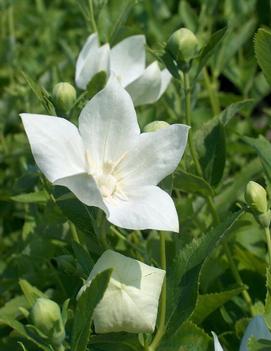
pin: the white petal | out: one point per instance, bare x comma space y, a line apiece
134, 288
91, 44
85, 189
127, 59
147, 207
108, 124
146, 88
217, 345
156, 155
96, 61
56, 145
165, 80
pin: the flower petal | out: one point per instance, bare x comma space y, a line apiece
256, 328
84, 187
165, 80
146, 207
155, 155
146, 88
127, 59
56, 145
96, 61
217, 345
91, 44
108, 124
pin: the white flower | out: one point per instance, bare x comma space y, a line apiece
217, 346
130, 302
256, 328
107, 163
127, 61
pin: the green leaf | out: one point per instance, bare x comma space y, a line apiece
230, 111
41, 94
227, 197
209, 49
208, 303
211, 147
190, 183
83, 257
30, 292
263, 149
85, 308
11, 309
263, 51
189, 337
37, 196
21, 330
183, 277
96, 84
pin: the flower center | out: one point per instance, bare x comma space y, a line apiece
107, 184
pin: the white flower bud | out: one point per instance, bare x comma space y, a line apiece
255, 197
46, 316
183, 45
136, 288
64, 96
154, 126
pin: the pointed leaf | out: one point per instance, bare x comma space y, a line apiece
263, 51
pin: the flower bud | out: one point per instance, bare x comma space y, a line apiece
154, 126
183, 45
64, 96
255, 197
46, 316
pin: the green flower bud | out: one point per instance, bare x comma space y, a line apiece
64, 96
183, 45
46, 316
255, 197
154, 126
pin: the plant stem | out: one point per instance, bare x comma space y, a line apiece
74, 232
212, 93
268, 241
92, 18
163, 299
188, 115
209, 199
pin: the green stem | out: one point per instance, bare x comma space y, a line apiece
163, 299
212, 93
209, 199
188, 115
268, 241
92, 18
128, 242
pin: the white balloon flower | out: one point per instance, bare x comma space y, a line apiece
107, 163
130, 302
127, 62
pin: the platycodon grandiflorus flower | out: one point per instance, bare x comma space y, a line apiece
130, 302
106, 162
127, 61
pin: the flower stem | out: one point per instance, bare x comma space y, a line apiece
188, 115
268, 241
91, 17
212, 93
209, 199
163, 299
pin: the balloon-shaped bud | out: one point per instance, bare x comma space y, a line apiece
64, 96
183, 45
154, 126
46, 316
255, 197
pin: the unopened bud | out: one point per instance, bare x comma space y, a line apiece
154, 126
183, 45
64, 96
46, 316
255, 197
